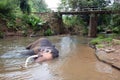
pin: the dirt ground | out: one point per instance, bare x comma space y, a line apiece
110, 53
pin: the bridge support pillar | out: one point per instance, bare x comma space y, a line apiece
92, 25
56, 23
60, 24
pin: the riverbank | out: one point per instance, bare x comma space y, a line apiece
109, 53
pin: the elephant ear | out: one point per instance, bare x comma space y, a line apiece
53, 46
29, 46
55, 53
33, 44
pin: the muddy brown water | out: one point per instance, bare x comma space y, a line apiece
77, 61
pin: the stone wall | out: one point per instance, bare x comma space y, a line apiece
54, 21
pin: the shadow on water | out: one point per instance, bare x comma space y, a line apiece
76, 62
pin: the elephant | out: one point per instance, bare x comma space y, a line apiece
44, 50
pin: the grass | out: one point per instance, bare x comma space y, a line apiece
101, 39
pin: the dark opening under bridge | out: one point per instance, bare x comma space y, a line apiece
92, 32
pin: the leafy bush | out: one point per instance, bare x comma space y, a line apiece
33, 21
101, 35
75, 24
1, 34
115, 21
6, 9
101, 28
72, 20
11, 25
25, 7
100, 39
24, 30
5, 6
6, 12
100, 45
48, 32
96, 41
107, 39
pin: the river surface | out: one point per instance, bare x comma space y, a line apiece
77, 61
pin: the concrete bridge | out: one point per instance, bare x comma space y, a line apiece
93, 18
92, 21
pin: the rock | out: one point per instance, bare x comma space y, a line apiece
109, 50
113, 58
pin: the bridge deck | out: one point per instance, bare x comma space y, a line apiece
84, 12
89, 12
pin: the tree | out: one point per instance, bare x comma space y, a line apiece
115, 21
24, 6
39, 5
79, 4
7, 6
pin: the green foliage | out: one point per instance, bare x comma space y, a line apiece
110, 22
33, 21
107, 39
101, 28
68, 20
115, 25
115, 20
96, 41
116, 6
5, 6
104, 20
48, 32
1, 34
8, 6
78, 4
11, 24
101, 35
83, 20
72, 20
101, 39
100, 46
10, 12
24, 30
116, 29
75, 24
39, 5
25, 7
9, 19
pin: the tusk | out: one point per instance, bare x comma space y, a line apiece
26, 62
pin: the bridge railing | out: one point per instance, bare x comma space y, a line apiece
82, 9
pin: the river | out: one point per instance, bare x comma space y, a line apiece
77, 61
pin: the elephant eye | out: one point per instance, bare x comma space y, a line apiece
46, 50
